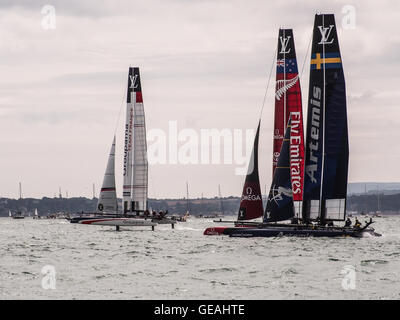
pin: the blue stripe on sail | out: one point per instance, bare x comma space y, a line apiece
290, 66
328, 66
331, 60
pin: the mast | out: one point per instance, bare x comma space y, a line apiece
20, 190
221, 205
251, 205
187, 197
327, 150
202, 203
288, 106
135, 165
377, 187
108, 195
280, 199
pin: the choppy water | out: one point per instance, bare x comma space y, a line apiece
93, 262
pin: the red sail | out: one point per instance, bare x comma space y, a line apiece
288, 104
251, 206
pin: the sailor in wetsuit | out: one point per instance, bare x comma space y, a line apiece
357, 224
348, 223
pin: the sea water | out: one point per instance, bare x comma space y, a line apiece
53, 259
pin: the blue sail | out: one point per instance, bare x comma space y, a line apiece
327, 149
280, 199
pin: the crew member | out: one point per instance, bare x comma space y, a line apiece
348, 223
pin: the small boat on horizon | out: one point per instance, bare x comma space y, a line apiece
16, 215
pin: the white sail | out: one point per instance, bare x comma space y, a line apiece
36, 213
128, 156
140, 165
108, 195
135, 169
9, 213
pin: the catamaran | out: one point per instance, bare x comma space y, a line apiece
135, 170
288, 107
323, 200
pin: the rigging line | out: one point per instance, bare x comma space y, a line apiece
120, 109
269, 80
305, 57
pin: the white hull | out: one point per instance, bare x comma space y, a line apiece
133, 222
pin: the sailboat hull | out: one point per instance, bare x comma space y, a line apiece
293, 232
132, 222
216, 231
163, 221
78, 219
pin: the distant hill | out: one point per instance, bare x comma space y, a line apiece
373, 187
389, 203
48, 206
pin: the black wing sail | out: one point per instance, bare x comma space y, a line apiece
327, 149
280, 200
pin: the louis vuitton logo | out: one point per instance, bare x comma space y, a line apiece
284, 43
325, 33
134, 83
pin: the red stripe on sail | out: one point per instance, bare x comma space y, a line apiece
293, 104
288, 102
297, 153
139, 97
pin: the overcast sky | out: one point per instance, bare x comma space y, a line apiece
203, 64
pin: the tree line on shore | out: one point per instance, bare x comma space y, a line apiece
364, 203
